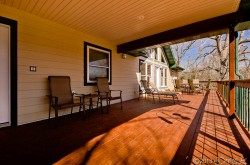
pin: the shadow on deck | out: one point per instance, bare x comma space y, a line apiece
212, 138
144, 132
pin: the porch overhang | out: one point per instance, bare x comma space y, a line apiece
177, 67
238, 21
170, 57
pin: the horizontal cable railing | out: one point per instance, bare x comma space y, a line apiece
242, 98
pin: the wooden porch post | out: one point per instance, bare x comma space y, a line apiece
232, 36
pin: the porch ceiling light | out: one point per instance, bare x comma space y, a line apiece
124, 56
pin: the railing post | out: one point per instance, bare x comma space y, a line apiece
232, 36
218, 86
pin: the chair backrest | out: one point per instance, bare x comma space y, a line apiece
191, 84
184, 81
138, 75
153, 86
102, 84
145, 85
177, 84
196, 81
60, 87
208, 83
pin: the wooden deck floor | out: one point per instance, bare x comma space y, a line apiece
154, 137
195, 131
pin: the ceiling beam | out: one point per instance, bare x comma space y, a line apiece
202, 27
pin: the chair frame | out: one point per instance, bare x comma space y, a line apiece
154, 91
106, 95
173, 94
207, 85
181, 87
193, 88
54, 99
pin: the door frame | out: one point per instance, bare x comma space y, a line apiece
13, 68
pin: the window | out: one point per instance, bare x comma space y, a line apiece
163, 77
97, 63
156, 53
155, 69
143, 70
148, 72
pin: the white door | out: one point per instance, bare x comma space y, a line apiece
4, 74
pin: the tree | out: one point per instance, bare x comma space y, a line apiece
244, 53
180, 50
209, 57
213, 56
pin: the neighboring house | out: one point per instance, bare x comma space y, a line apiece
159, 67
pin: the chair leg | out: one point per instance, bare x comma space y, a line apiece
173, 99
56, 117
108, 104
80, 109
97, 103
50, 104
49, 114
83, 109
121, 103
101, 105
49, 111
71, 109
177, 98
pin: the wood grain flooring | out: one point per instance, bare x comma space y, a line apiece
195, 131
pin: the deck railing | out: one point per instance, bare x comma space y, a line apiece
242, 98
223, 89
213, 84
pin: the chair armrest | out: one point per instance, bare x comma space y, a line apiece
99, 93
78, 95
52, 97
102, 92
117, 91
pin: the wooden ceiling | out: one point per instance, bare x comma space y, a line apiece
125, 20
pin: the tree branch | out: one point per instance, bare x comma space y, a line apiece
245, 41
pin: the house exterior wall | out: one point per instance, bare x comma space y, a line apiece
153, 62
58, 50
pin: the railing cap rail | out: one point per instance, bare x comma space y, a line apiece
245, 80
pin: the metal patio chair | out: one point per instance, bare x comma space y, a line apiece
104, 92
172, 94
193, 88
151, 89
61, 95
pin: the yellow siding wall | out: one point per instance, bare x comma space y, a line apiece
58, 50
